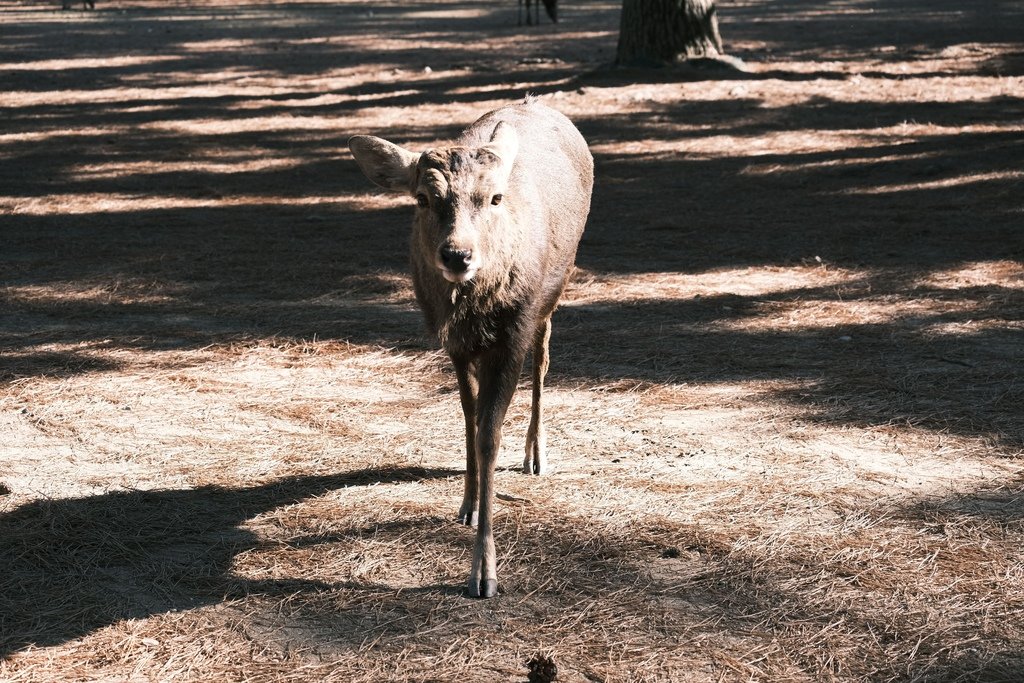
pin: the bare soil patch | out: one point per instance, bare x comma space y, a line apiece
785, 392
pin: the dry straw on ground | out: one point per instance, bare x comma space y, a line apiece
785, 390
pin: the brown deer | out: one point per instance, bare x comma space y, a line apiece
499, 216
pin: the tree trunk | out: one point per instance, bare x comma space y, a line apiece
665, 31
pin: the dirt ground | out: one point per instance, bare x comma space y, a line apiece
786, 385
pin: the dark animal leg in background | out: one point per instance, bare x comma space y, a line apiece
551, 7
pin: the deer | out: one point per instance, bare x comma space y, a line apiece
498, 220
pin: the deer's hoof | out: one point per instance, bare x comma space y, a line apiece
536, 460
535, 465
486, 588
468, 518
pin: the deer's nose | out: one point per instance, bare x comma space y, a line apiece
456, 260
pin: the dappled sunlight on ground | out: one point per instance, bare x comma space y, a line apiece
784, 400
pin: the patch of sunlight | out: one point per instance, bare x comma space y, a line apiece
390, 94
968, 328
801, 298
739, 145
1005, 274
968, 179
846, 11
144, 168
117, 292
215, 87
226, 45
40, 136
446, 14
88, 63
787, 142
824, 313
500, 91
261, 124
797, 165
591, 287
78, 204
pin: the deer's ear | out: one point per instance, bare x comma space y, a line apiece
504, 144
385, 163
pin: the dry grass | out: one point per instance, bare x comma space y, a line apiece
785, 392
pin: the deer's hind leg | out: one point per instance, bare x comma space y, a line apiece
536, 440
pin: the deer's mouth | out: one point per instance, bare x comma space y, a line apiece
459, 277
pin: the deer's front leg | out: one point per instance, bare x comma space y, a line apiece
498, 375
468, 389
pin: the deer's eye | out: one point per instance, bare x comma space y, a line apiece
496, 199
422, 201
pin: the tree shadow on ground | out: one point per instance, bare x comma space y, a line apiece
184, 278
899, 634
168, 44
884, 30
71, 566
911, 369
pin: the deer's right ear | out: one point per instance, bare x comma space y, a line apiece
385, 163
